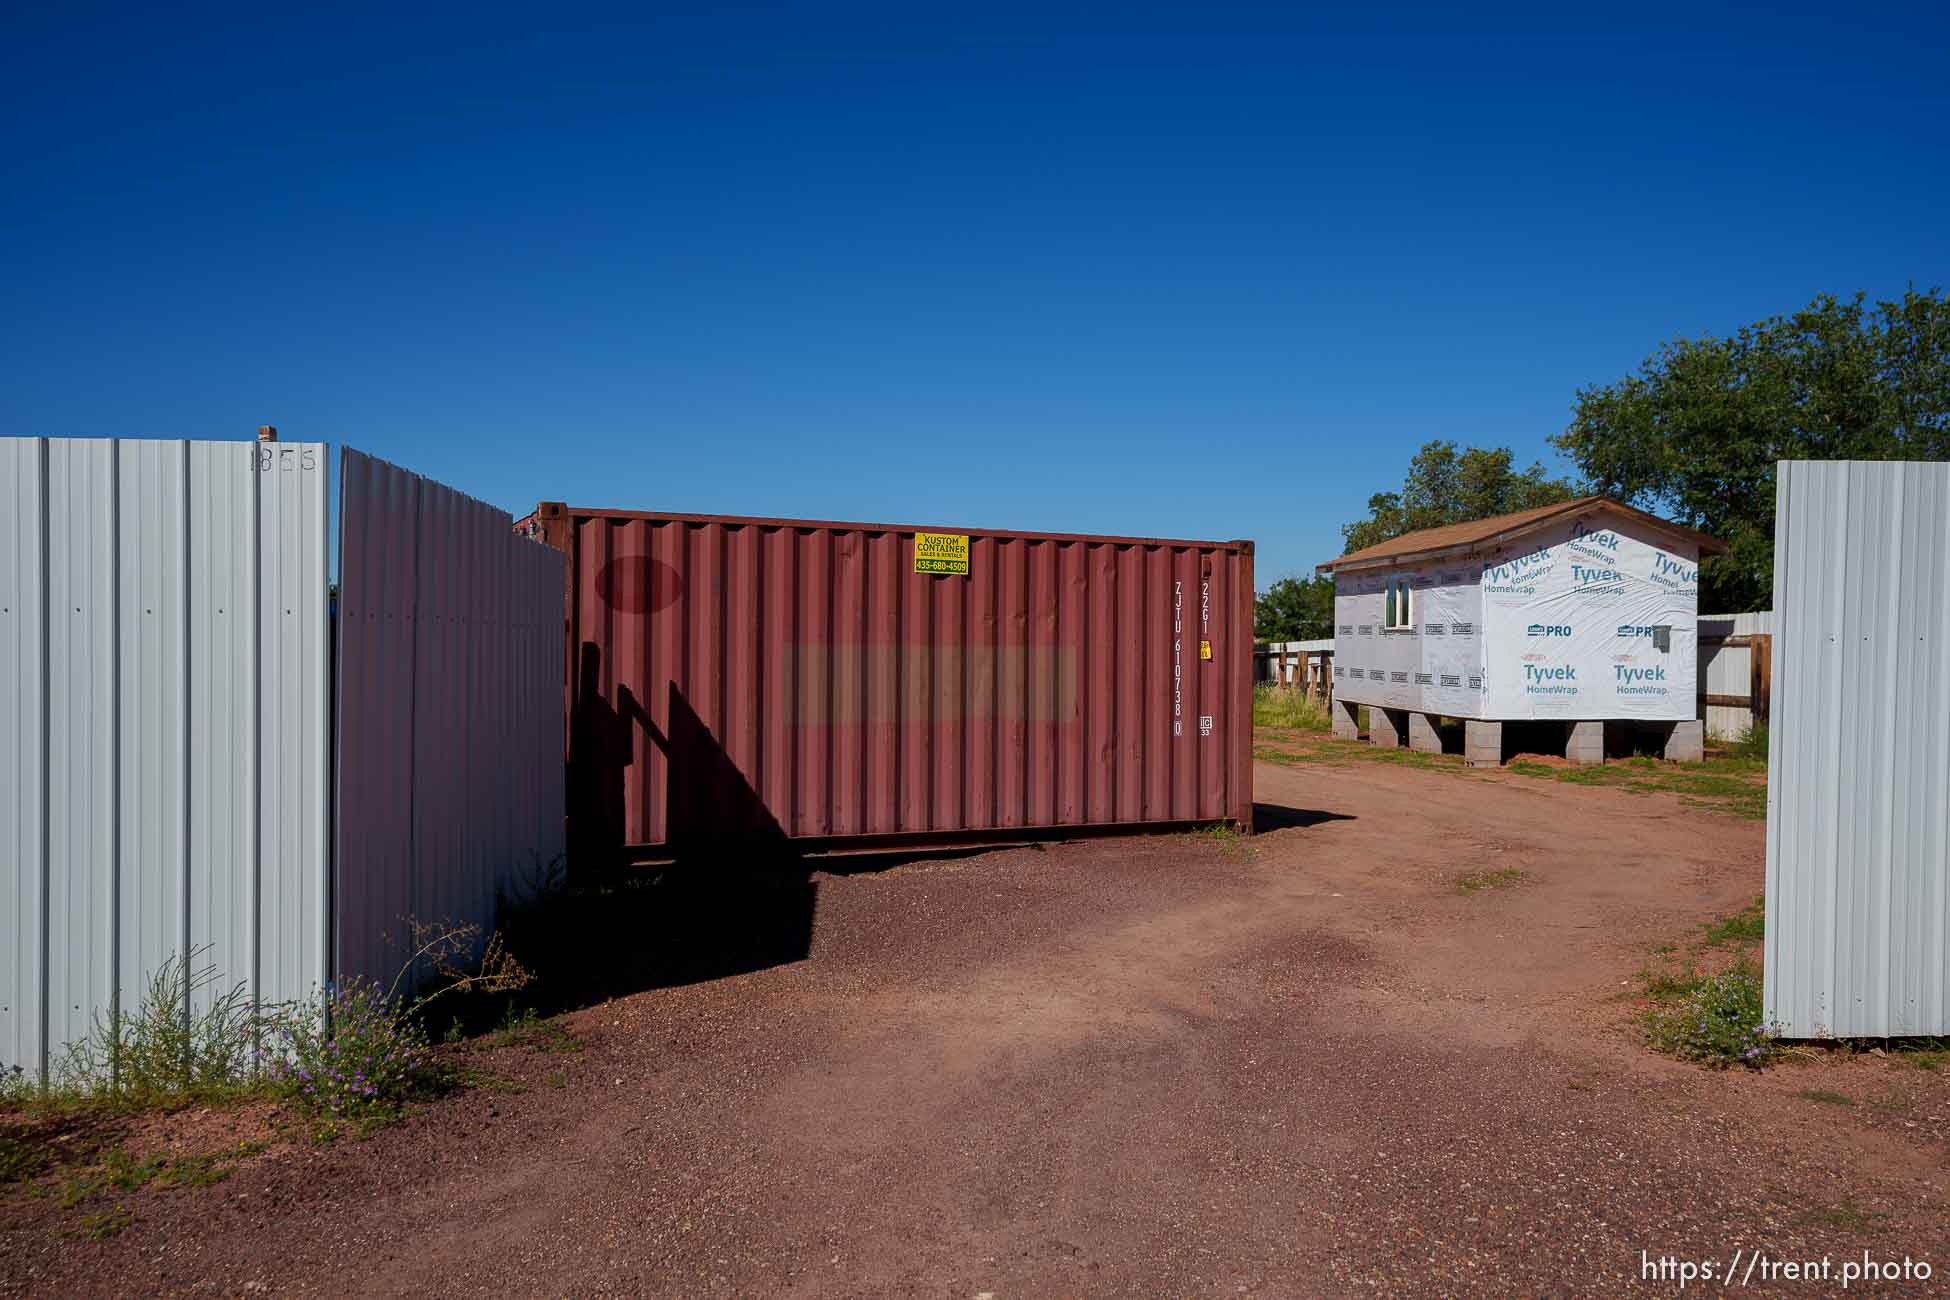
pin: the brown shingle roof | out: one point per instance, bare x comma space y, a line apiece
1477, 532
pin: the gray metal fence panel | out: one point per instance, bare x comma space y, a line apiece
23, 751
450, 710
1857, 844
162, 697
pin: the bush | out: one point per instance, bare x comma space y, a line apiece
1283, 706
163, 1051
356, 1057
1713, 1019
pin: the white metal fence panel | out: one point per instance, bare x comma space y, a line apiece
450, 710
162, 702
1858, 850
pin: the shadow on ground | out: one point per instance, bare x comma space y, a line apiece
1280, 817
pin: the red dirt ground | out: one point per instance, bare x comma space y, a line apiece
1298, 1064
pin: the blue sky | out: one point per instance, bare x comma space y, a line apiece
1194, 271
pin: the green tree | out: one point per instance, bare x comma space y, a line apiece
1295, 609
1445, 486
1695, 433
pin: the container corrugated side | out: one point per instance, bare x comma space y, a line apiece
733, 677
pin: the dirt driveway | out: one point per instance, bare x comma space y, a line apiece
1299, 1064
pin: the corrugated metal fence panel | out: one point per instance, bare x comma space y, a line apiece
136, 721
23, 750
450, 710
1858, 850
294, 655
738, 677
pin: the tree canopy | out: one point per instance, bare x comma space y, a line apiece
1445, 486
1695, 433
1295, 609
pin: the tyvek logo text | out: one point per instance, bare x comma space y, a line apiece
1640, 681
1602, 545
1518, 575
1550, 679
1668, 572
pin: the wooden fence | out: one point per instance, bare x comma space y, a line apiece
1736, 671
1306, 666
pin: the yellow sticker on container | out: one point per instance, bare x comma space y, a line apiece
1205, 649
940, 553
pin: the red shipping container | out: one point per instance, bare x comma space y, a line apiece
837, 683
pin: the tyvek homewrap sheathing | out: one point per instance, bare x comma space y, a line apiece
1435, 667
1561, 623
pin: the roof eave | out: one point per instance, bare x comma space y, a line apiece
1707, 544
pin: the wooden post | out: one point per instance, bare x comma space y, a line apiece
267, 433
1760, 664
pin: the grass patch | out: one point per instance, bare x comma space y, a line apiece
20, 1158
537, 1033
102, 1226
1282, 706
1825, 1097
1845, 1214
1750, 744
1224, 836
1474, 882
118, 1171
1929, 1059
1405, 757
1733, 785
1290, 757
1296, 750
1748, 925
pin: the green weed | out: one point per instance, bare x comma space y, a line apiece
102, 1226
1844, 1214
165, 1051
20, 1158
1748, 925
1472, 882
1735, 786
1282, 706
1714, 1019
1225, 837
1824, 1096
1751, 744
1287, 757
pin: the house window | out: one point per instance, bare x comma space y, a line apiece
1401, 604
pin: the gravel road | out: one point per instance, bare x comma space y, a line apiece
1297, 1064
